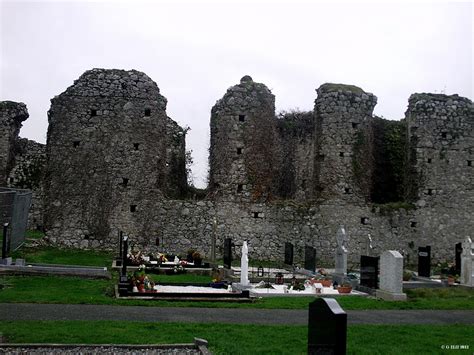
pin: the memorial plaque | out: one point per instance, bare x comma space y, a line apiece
369, 271
458, 252
424, 261
309, 258
228, 253
327, 327
288, 254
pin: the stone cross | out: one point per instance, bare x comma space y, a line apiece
244, 266
341, 252
467, 263
369, 246
391, 276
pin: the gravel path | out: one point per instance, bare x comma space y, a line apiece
26, 311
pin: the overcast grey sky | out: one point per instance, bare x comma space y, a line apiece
195, 50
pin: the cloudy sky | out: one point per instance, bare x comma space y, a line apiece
195, 50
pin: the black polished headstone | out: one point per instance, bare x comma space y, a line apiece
119, 260
457, 260
124, 286
369, 271
327, 327
288, 253
228, 253
310, 258
424, 261
5, 241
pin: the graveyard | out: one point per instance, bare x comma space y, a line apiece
59, 291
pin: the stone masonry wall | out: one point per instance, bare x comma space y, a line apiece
28, 173
11, 116
107, 158
243, 134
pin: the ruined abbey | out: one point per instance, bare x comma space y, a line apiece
114, 161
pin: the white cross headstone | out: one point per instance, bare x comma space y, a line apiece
467, 263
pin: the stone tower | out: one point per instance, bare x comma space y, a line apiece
243, 133
441, 150
108, 165
12, 114
343, 139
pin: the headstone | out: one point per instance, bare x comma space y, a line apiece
119, 260
340, 272
467, 263
424, 261
288, 253
124, 285
228, 253
327, 327
5, 241
244, 266
457, 258
391, 276
309, 258
369, 271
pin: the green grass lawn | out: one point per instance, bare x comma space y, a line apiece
52, 255
56, 289
242, 339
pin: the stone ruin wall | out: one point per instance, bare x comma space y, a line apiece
109, 158
326, 187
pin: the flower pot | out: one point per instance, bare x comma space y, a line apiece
344, 289
326, 283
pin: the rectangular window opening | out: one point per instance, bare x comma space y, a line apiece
240, 188
364, 220
124, 182
136, 145
239, 151
444, 135
341, 154
430, 160
430, 192
303, 184
75, 144
133, 208
469, 163
413, 224
147, 112
347, 190
355, 125
255, 215
241, 118
93, 112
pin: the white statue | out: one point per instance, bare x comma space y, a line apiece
244, 266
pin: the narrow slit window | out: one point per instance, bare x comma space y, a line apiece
136, 145
469, 163
240, 188
444, 135
255, 215
239, 151
413, 224
430, 192
364, 220
241, 118
147, 112
355, 125
93, 112
341, 154
124, 182
347, 190
76, 144
430, 160
133, 208
303, 184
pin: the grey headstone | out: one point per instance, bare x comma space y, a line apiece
391, 276
467, 262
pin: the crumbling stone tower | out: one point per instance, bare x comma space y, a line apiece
108, 166
441, 150
12, 114
242, 143
343, 162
